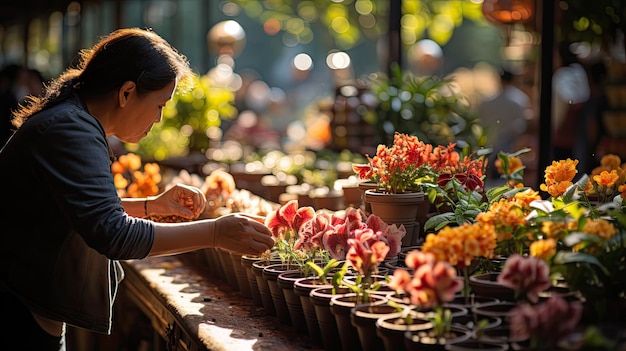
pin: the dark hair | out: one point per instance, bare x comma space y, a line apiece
129, 54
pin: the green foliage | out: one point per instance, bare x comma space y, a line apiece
427, 107
591, 21
345, 21
188, 118
323, 272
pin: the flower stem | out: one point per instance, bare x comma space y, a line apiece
466, 287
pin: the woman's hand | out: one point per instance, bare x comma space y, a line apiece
180, 200
242, 233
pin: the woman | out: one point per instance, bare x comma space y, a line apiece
65, 227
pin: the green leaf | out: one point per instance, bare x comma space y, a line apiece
579, 257
436, 221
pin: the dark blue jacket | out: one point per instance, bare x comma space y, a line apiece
62, 225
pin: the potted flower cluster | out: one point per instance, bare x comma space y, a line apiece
311, 241
428, 285
407, 170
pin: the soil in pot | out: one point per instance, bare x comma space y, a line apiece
425, 340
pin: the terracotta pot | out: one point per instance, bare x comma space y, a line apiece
302, 288
320, 297
391, 329
249, 179
363, 186
405, 250
399, 209
229, 270
563, 291
275, 186
352, 196
500, 334
246, 263
500, 309
341, 306
364, 317
470, 322
264, 289
383, 288
455, 310
271, 273
241, 275
486, 284
470, 301
212, 256
422, 216
286, 282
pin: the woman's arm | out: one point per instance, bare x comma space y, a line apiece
234, 232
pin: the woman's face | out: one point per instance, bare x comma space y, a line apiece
141, 112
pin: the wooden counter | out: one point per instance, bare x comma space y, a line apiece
166, 303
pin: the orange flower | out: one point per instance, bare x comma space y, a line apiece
559, 176
503, 217
543, 249
556, 230
409, 162
524, 198
515, 163
600, 227
606, 179
131, 181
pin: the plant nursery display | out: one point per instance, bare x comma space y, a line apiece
524, 260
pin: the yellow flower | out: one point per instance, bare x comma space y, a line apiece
460, 245
543, 249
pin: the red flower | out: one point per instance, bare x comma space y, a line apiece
287, 219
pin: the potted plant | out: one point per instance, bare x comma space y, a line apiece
430, 284
401, 172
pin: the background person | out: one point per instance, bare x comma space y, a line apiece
505, 116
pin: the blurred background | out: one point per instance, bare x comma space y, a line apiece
318, 75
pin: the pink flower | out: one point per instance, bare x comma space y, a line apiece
433, 282
391, 234
335, 241
365, 255
547, 322
528, 276
312, 231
